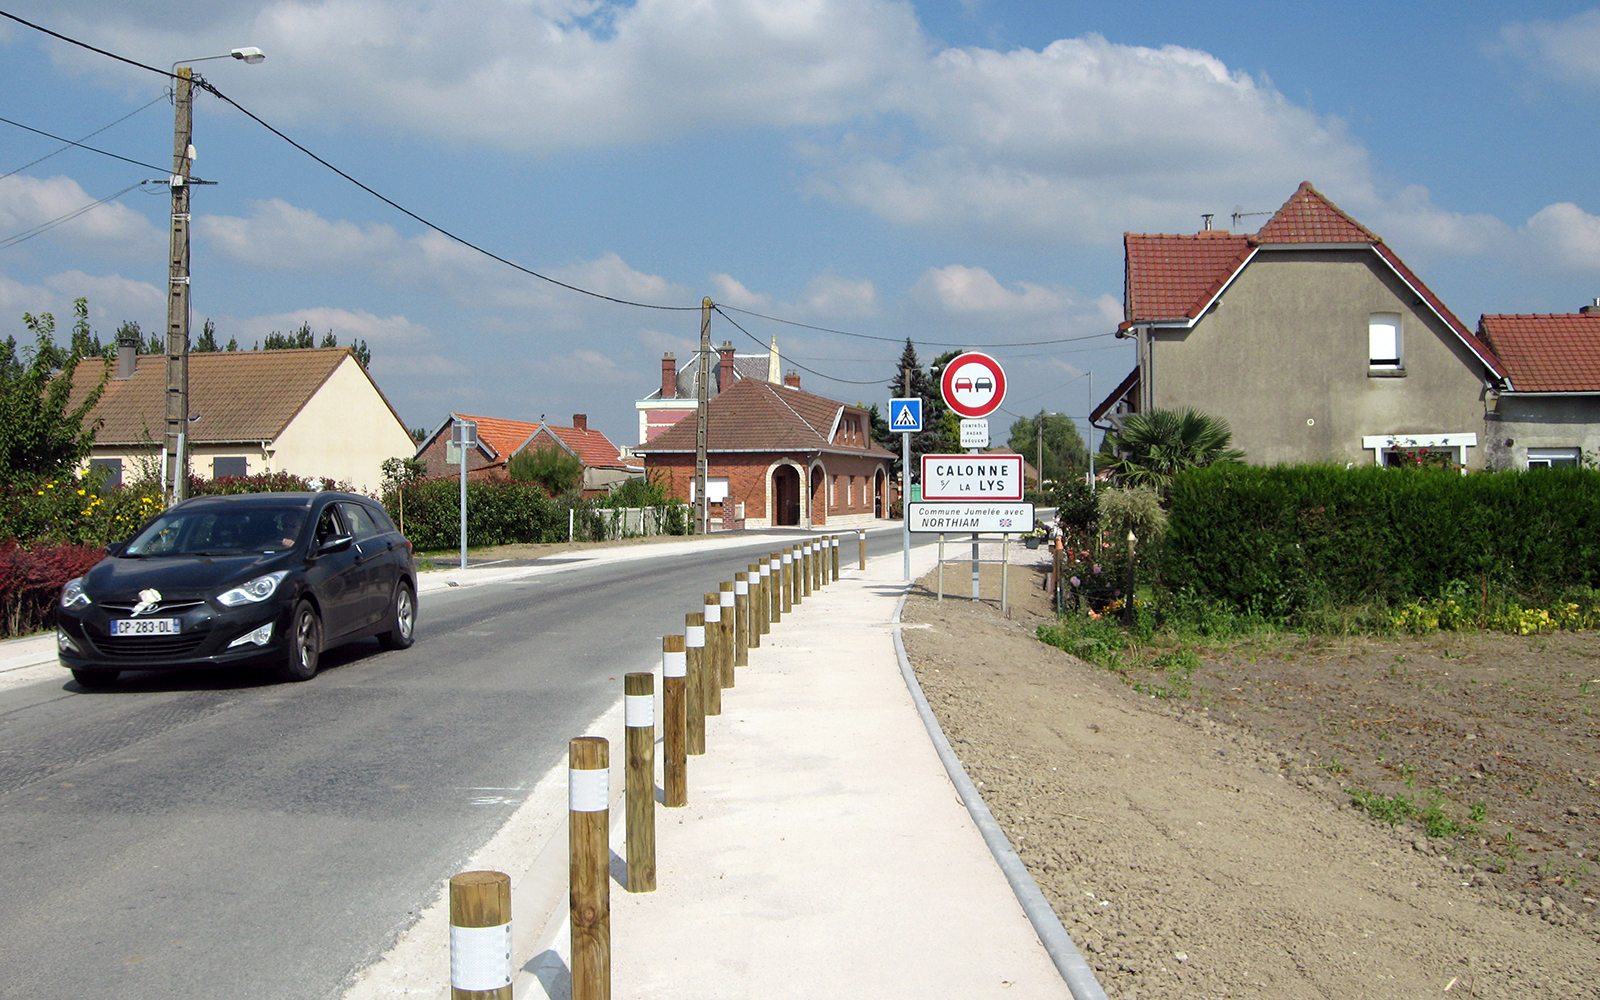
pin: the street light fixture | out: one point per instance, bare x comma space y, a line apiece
175, 445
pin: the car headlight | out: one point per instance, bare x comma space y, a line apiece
72, 595
253, 591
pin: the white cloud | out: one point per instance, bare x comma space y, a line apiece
729, 291
1411, 219
1565, 238
281, 236
971, 290
1568, 50
110, 229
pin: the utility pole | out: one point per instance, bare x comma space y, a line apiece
178, 290
701, 423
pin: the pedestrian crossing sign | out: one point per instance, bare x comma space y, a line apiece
905, 416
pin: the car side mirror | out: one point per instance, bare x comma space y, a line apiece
337, 543
115, 548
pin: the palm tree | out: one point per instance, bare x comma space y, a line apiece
1152, 448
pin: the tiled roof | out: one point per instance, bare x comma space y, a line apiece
1173, 277
237, 395
1547, 353
498, 433
593, 448
756, 415
1308, 217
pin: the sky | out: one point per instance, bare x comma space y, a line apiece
957, 172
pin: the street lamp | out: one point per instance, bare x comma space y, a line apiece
178, 274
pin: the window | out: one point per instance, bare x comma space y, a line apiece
359, 519
229, 466
110, 467
1383, 341
716, 489
1553, 458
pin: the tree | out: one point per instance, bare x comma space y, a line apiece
303, 338
1065, 456
1152, 448
556, 469
941, 428
39, 435
208, 339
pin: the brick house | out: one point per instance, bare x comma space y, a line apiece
499, 439
783, 456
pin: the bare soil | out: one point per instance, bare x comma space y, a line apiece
1195, 824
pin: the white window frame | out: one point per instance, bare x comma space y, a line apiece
1385, 345
716, 489
1546, 458
1381, 444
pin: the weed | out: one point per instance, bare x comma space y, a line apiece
1477, 811
1408, 774
1389, 809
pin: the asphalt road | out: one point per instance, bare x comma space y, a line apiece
215, 835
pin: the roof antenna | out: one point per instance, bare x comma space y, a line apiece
1240, 213
1208, 216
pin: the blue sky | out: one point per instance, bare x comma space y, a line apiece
957, 172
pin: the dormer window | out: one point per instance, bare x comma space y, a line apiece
1383, 343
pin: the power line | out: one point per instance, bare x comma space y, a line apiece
747, 333
85, 45
164, 171
69, 143
896, 340
28, 234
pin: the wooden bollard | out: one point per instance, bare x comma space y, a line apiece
675, 722
480, 936
711, 661
795, 570
741, 620
788, 580
694, 647
758, 605
807, 567
816, 564
822, 561
834, 545
589, 865
730, 631
775, 583
862, 536
639, 715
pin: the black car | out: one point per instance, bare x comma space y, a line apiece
223, 580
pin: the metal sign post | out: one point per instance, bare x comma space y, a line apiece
974, 386
464, 435
905, 416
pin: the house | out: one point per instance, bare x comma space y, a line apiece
1548, 412
1310, 337
780, 454
678, 394
499, 439
311, 412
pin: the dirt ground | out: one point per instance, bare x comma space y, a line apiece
1194, 826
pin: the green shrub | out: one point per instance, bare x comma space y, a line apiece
31, 578
499, 512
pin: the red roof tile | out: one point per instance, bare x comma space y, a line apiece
758, 416
500, 434
1547, 353
593, 448
1308, 217
1173, 277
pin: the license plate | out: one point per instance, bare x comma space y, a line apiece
144, 626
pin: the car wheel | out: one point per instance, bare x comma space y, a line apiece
305, 645
402, 619
95, 678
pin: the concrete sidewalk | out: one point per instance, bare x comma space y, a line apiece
824, 850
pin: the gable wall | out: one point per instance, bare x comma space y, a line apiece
345, 431
1283, 358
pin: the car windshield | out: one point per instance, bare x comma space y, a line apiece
219, 532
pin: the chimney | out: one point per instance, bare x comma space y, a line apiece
580, 422
1593, 309
792, 380
127, 356
725, 371
669, 376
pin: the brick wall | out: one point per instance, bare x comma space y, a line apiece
749, 480
478, 465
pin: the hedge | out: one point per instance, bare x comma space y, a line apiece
31, 578
1281, 540
499, 512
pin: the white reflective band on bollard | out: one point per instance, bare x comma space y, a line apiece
480, 957
727, 599
694, 637
713, 615
639, 710
589, 790
787, 558
676, 664
766, 570
741, 587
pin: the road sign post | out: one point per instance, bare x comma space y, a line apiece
974, 386
905, 416
464, 435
